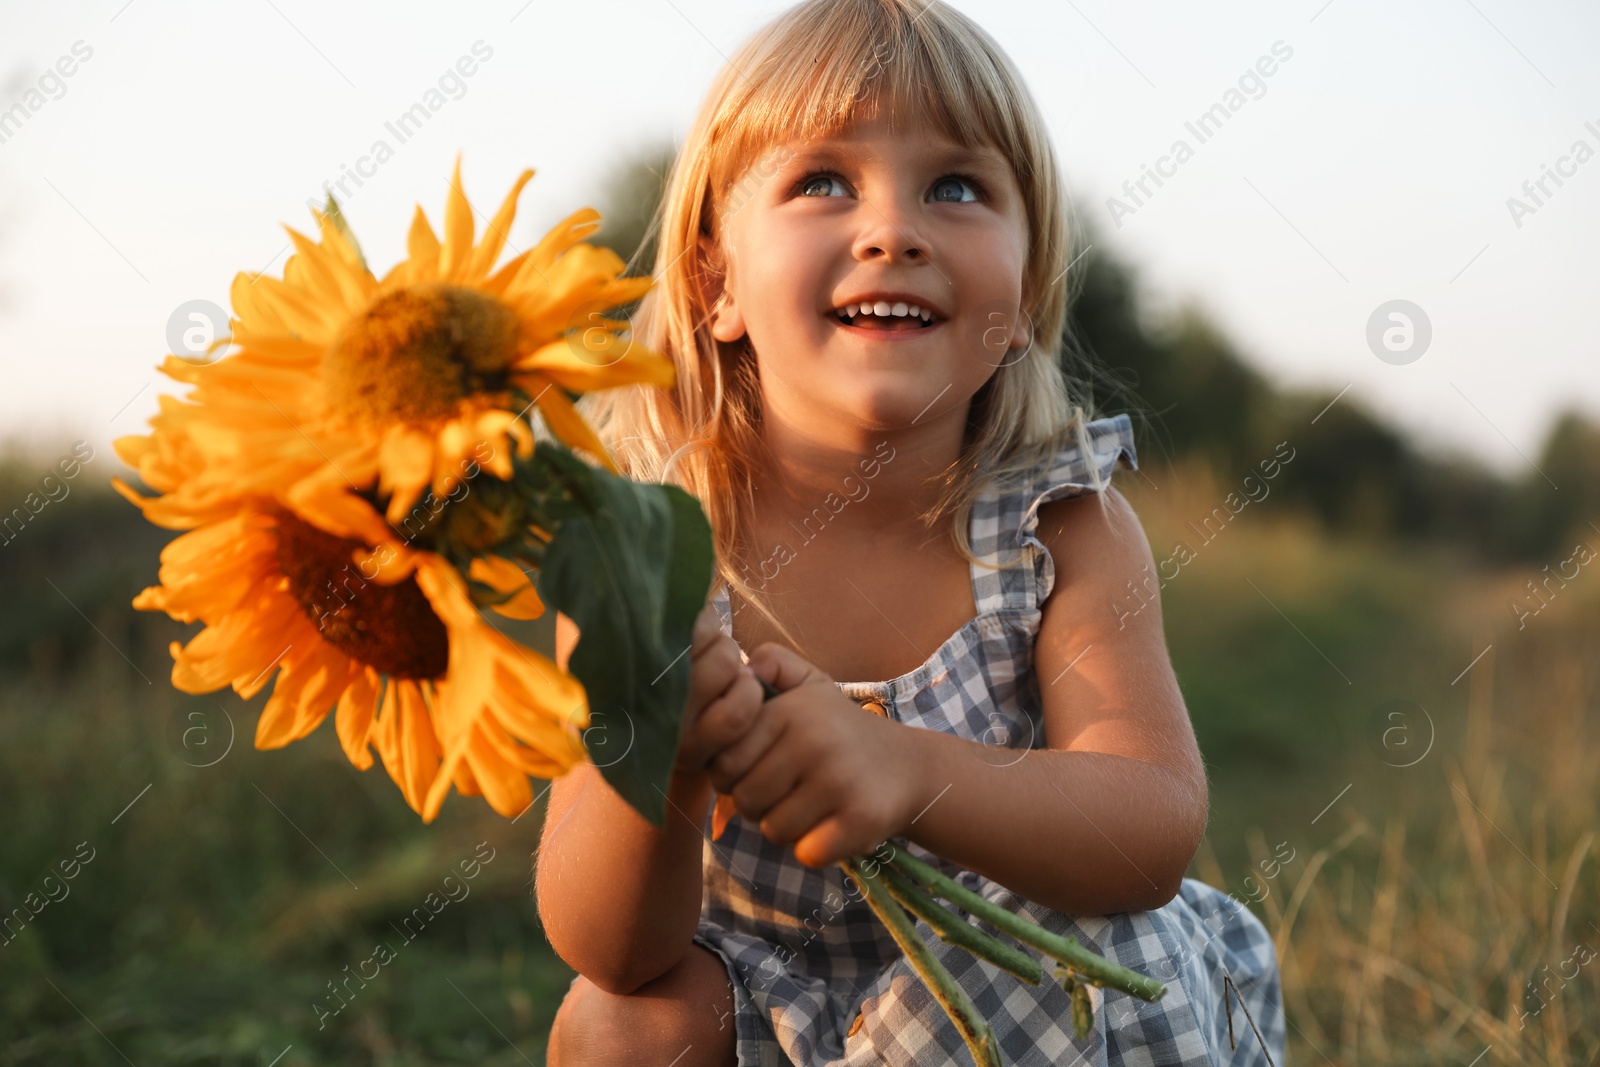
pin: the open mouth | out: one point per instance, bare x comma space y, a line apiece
887, 318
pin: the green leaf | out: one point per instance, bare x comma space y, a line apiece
630, 563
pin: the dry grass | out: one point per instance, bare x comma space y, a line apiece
1478, 942
1447, 912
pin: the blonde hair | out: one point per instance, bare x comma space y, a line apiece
804, 76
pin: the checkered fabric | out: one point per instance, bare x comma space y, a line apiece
819, 982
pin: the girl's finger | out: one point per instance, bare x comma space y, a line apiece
769, 782
715, 668
741, 743
782, 667
826, 842
726, 717
701, 732
794, 814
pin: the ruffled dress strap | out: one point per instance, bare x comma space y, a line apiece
1006, 516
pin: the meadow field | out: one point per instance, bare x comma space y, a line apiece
1404, 788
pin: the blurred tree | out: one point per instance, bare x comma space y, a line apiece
628, 202
1188, 386
1553, 518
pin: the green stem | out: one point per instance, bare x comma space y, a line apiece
962, 934
1094, 969
975, 1031
915, 875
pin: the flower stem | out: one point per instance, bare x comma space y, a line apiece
975, 1031
1090, 968
952, 930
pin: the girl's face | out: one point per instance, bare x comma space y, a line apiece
910, 219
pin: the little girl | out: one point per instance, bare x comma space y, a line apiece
862, 279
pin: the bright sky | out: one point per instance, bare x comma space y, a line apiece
1373, 164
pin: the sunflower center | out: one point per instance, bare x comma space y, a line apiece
416, 351
391, 628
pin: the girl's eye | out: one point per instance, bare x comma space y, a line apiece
810, 181
962, 179
817, 180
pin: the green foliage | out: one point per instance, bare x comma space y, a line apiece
1196, 394
630, 564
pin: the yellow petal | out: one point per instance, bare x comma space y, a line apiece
586, 278
319, 678
569, 426
422, 248
325, 501
353, 720
242, 648
419, 748
335, 276
593, 359
405, 467
531, 267
457, 230
387, 564
385, 732
725, 809
504, 786
494, 236
465, 780
504, 576
252, 306
303, 313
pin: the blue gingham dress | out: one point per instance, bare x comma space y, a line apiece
819, 982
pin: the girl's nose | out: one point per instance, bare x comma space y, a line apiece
892, 233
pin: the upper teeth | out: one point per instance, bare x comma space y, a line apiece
885, 309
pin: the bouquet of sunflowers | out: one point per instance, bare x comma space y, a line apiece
360, 483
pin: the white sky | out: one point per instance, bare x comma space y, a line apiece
1376, 166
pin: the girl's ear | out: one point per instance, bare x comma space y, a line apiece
727, 324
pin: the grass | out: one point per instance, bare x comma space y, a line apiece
1422, 900
218, 907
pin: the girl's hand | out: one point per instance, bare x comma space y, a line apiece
816, 769
724, 696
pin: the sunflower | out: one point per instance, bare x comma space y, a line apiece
343, 381
327, 443
400, 661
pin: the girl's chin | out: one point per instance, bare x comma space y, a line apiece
897, 404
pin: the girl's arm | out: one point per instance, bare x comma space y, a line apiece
1108, 817
619, 898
